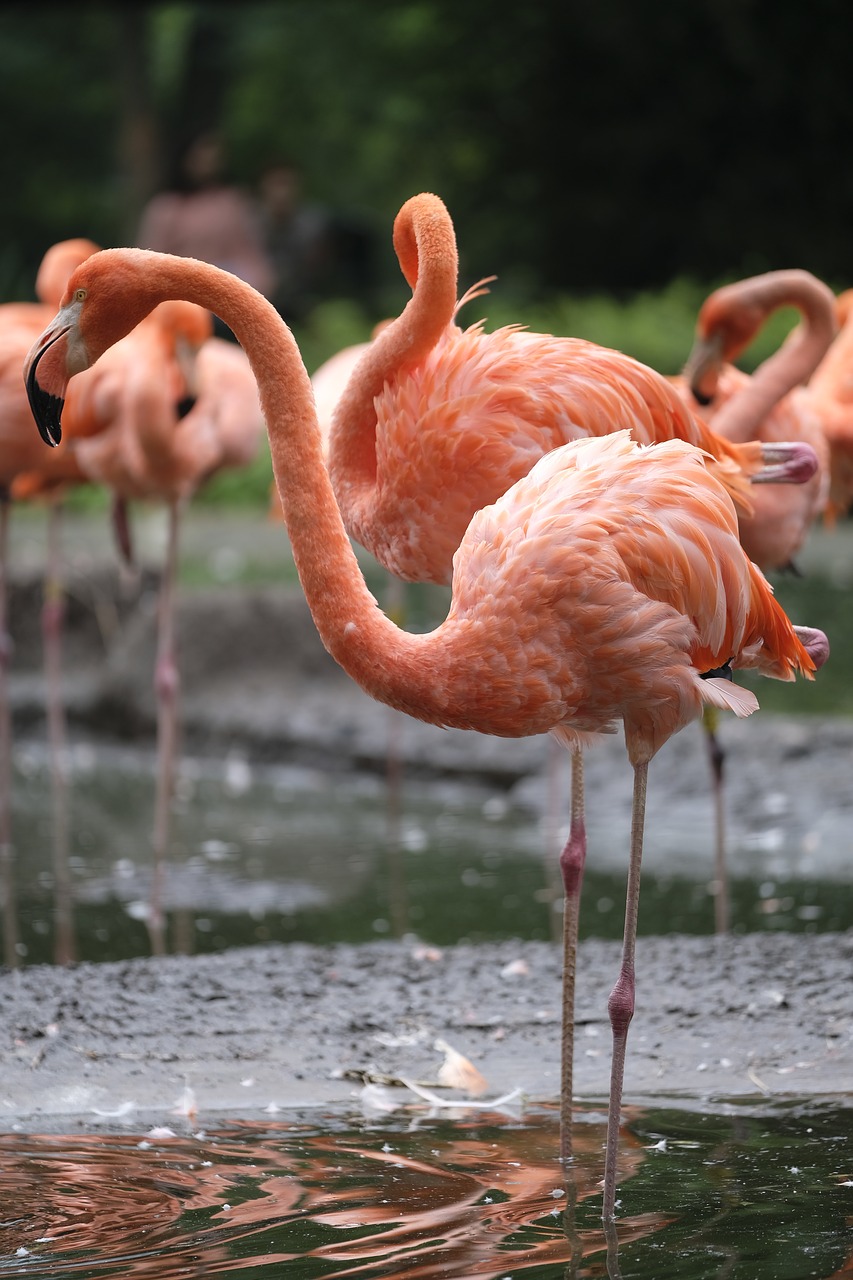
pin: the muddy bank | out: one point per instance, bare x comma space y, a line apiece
248, 1031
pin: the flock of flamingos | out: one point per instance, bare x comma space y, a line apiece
605, 529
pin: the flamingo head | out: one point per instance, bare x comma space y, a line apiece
728, 321
731, 317
106, 297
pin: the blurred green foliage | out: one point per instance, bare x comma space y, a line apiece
610, 147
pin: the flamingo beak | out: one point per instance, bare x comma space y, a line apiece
46, 403
702, 368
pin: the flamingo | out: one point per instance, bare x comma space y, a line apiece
20, 324
775, 403
607, 585
437, 422
176, 405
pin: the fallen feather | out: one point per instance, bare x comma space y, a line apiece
458, 1072
486, 1104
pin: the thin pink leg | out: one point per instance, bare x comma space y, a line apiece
52, 616
395, 608
716, 759
620, 1006
555, 791
166, 688
7, 852
572, 862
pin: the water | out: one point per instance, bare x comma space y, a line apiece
294, 854
755, 1194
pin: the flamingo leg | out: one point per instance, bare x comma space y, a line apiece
716, 759
555, 789
572, 862
166, 688
620, 1005
52, 617
7, 853
395, 608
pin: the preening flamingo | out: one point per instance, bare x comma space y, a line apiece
20, 324
174, 405
608, 585
772, 404
437, 422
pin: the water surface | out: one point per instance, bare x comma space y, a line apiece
283, 854
755, 1194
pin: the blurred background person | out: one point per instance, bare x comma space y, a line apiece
204, 214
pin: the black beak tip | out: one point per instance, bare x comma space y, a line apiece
700, 397
47, 411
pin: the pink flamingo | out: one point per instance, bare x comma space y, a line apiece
20, 324
175, 405
775, 403
607, 585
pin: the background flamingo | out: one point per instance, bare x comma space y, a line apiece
772, 404
176, 405
602, 587
20, 324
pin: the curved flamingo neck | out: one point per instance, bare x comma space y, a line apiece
795, 361
406, 671
425, 244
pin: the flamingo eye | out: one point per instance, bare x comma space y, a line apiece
79, 295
